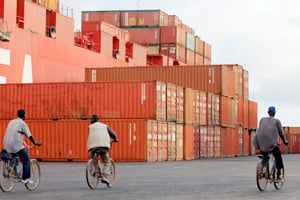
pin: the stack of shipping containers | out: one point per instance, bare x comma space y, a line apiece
217, 111
160, 113
168, 40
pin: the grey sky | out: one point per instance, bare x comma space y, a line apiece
261, 35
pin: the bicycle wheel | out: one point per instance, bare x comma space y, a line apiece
261, 177
112, 176
92, 173
278, 184
35, 175
6, 183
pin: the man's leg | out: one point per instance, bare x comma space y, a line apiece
24, 157
277, 154
106, 162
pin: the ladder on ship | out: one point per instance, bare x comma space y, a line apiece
4, 34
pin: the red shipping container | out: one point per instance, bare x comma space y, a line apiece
179, 141
143, 18
145, 35
188, 142
171, 141
173, 35
180, 104
171, 102
196, 141
212, 79
80, 100
173, 51
111, 17
203, 142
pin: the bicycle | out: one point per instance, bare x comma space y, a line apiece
94, 172
11, 172
265, 175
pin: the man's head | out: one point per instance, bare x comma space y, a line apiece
94, 118
272, 111
21, 114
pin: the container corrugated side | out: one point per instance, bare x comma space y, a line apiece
196, 141
174, 35
80, 100
217, 79
188, 142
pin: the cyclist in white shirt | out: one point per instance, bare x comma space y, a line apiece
13, 142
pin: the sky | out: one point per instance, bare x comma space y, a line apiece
261, 35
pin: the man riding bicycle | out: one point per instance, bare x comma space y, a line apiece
99, 142
267, 136
13, 142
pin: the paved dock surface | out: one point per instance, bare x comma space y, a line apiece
213, 179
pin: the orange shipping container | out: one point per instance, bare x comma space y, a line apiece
252, 114
173, 35
188, 142
80, 100
179, 141
217, 79
189, 105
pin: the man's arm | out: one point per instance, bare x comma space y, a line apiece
112, 134
281, 132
